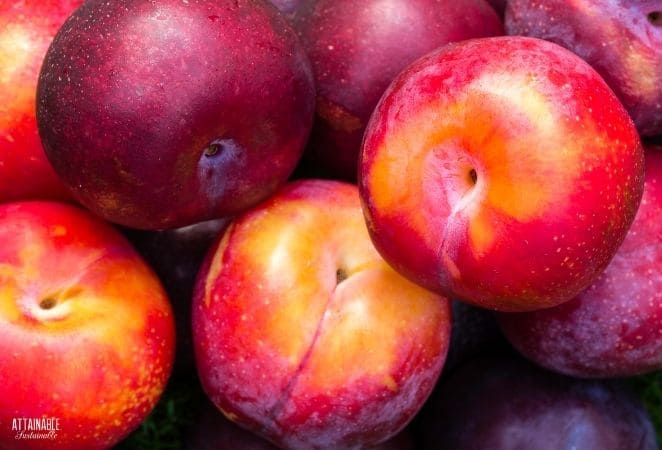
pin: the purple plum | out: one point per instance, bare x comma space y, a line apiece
163, 114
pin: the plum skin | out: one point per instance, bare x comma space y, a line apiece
304, 335
612, 329
357, 47
513, 212
161, 115
213, 431
621, 39
504, 404
27, 28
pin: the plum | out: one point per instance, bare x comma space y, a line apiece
357, 47
613, 327
509, 404
163, 114
304, 335
87, 335
621, 39
501, 171
26, 29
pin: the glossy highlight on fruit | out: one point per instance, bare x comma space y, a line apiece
304, 335
357, 47
287, 7
86, 330
500, 171
163, 114
613, 328
26, 29
620, 39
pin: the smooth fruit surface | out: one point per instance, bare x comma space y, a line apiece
614, 328
26, 29
86, 330
501, 171
163, 114
357, 47
506, 404
621, 39
304, 334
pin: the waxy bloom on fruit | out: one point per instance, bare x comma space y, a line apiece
304, 334
497, 403
163, 114
502, 171
613, 328
357, 47
620, 39
86, 330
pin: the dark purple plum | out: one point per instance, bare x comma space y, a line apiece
612, 329
509, 404
621, 39
357, 47
162, 114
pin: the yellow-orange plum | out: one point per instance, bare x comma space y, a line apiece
86, 330
304, 334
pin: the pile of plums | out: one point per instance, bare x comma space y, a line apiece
379, 224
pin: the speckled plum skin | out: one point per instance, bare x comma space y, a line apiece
502, 172
86, 330
304, 335
507, 404
163, 114
613, 329
26, 29
357, 47
621, 39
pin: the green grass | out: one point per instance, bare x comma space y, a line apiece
649, 388
168, 425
